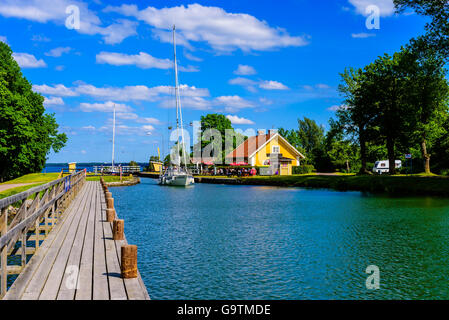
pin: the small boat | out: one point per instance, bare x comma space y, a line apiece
177, 175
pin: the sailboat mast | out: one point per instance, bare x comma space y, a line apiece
176, 88
113, 139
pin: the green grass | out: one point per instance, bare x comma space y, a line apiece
34, 177
401, 185
13, 191
108, 178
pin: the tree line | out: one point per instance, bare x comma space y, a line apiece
27, 133
395, 105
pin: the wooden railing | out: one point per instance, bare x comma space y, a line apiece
38, 211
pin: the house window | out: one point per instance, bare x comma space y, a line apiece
275, 149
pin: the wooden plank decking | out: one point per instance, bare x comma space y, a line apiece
78, 260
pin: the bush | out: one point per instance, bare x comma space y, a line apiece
303, 169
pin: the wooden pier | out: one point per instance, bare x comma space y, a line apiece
74, 256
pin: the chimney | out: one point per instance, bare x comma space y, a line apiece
272, 131
260, 132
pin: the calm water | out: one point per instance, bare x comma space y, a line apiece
245, 242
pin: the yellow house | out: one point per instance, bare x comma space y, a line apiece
270, 149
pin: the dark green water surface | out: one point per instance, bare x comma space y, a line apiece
252, 242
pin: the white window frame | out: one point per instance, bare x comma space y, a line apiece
275, 146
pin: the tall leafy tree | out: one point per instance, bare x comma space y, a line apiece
27, 133
436, 37
428, 95
220, 123
356, 117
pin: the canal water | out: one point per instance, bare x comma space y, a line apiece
254, 242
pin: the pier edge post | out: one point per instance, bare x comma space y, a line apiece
129, 261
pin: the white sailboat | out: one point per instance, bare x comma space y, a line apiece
177, 175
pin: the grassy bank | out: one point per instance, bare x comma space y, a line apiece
402, 185
397, 185
34, 177
32, 180
108, 178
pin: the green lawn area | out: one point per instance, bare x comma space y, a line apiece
108, 178
400, 185
13, 191
34, 177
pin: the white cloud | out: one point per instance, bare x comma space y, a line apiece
192, 57
265, 101
237, 120
40, 38
26, 60
53, 101
57, 90
386, 6
148, 120
244, 70
57, 52
272, 85
60, 68
122, 129
222, 30
337, 107
244, 82
104, 107
88, 128
362, 35
127, 93
322, 86
142, 60
3, 39
233, 103
83, 152
44, 11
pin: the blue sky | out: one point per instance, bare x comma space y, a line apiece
260, 63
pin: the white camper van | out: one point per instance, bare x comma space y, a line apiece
383, 166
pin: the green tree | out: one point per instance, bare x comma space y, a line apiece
357, 115
220, 123
428, 95
133, 163
27, 133
436, 38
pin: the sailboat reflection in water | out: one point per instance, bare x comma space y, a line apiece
177, 175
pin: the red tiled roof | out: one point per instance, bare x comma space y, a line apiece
249, 146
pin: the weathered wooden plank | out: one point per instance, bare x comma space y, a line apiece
14, 269
74, 260
135, 288
19, 286
30, 281
84, 291
56, 275
100, 278
116, 284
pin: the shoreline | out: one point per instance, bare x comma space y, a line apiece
392, 185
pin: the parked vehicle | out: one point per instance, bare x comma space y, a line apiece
383, 166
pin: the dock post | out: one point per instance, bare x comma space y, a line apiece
110, 203
110, 214
118, 228
129, 261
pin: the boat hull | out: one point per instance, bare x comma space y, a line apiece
178, 180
